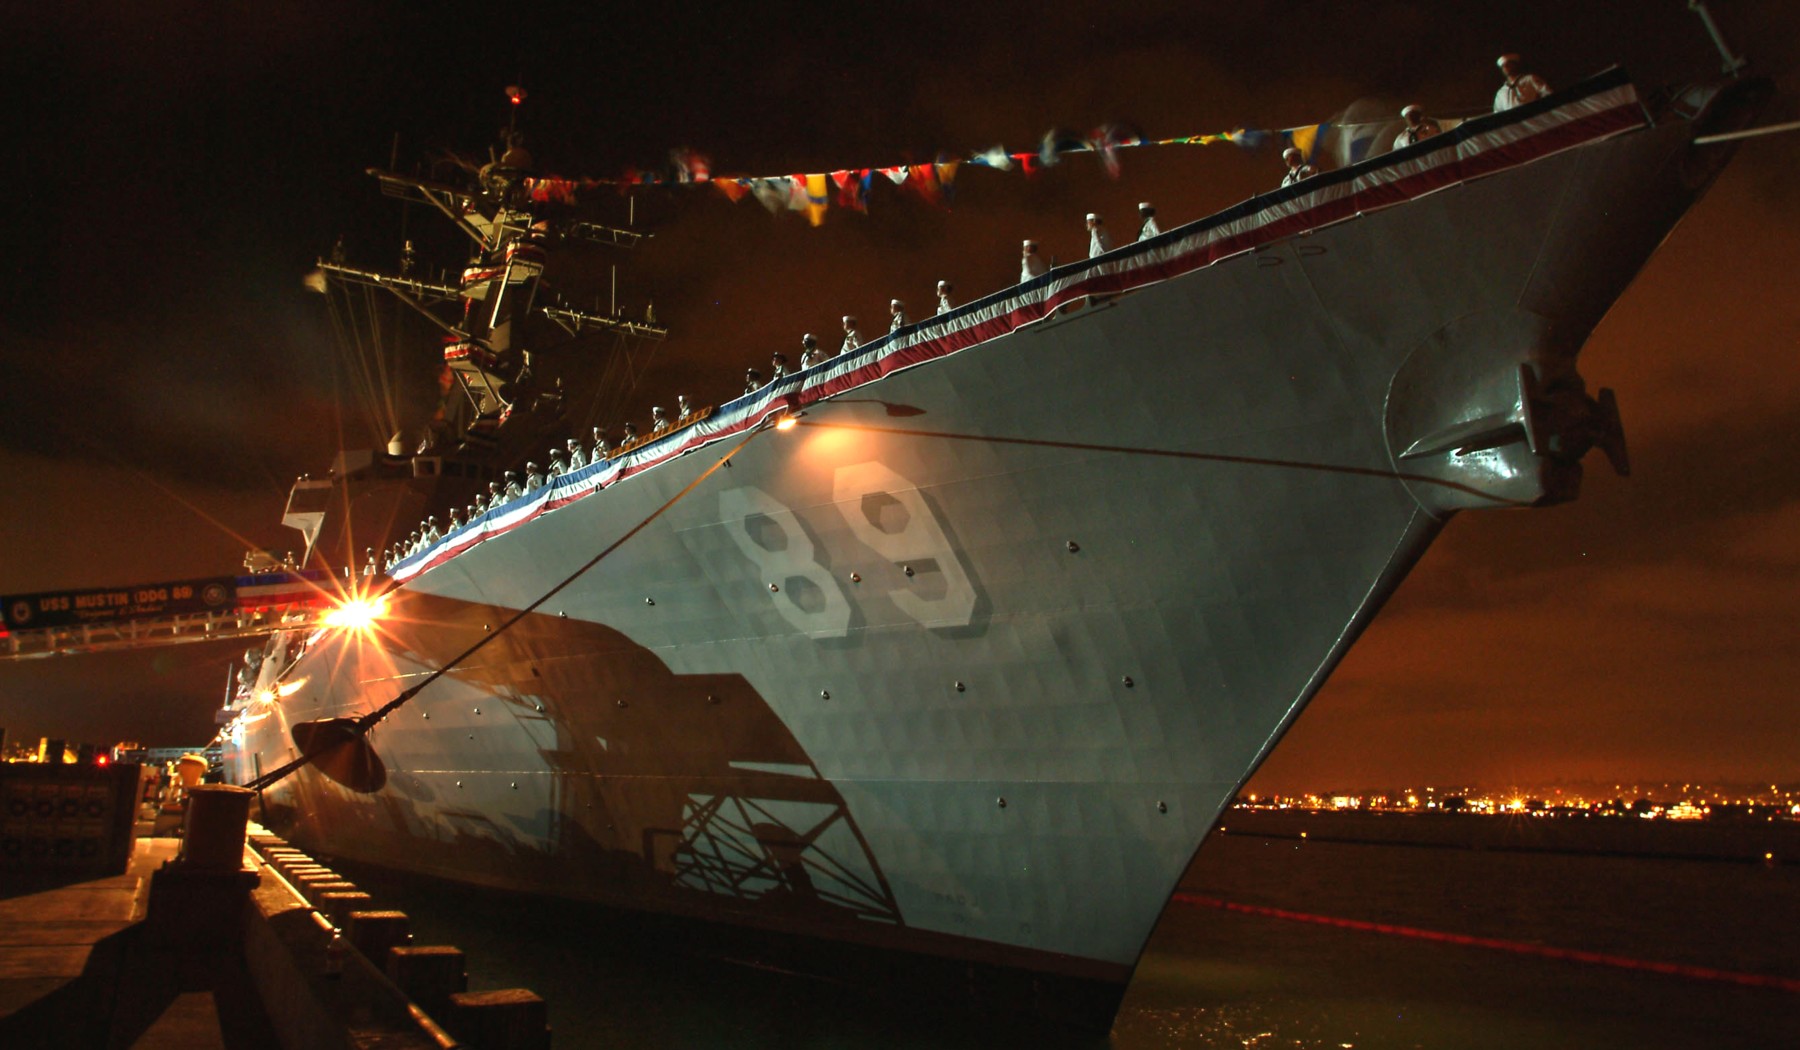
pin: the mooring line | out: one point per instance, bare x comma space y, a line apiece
367, 722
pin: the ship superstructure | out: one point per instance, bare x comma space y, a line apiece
954, 647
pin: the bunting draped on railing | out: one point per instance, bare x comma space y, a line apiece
812, 193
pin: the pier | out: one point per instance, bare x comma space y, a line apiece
207, 931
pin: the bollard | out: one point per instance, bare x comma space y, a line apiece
428, 975
197, 899
315, 892
213, 832
338, 906
373, 932
510, 1019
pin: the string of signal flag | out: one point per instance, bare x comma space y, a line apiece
814, 193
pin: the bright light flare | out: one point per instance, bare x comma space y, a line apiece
786, 423
356, 614
290, 688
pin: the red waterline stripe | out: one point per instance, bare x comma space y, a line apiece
1623, 962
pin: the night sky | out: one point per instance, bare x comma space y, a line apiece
176, 168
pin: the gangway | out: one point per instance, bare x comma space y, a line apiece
65, 623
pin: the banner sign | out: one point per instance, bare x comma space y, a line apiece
152, 601
26, 612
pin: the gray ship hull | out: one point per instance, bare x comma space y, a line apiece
969, 661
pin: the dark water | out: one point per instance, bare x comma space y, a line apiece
1218, 978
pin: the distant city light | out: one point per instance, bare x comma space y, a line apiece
1670, 801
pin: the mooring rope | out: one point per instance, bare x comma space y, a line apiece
367, 722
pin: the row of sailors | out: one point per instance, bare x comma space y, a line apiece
1520, 87
566, 460
811, 353
1032, 264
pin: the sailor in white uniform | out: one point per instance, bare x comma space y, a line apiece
1418, 128
1031, 264
810, 354
1099, 241
852, 338
943, 297
777, 367
1520, 87
1148, 214
682, 409
1297, 167
659, 420
752, 381
896, 315
577, 456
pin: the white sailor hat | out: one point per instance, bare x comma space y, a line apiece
1144, 206
1091, 217
849, 318
808, 338
1508, 57
893, 304
1031, 246
1414, 108
1290, 153
943, 284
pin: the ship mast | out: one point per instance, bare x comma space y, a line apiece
499, 318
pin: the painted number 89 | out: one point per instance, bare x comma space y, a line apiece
887, 514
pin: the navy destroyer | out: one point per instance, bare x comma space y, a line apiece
952, 647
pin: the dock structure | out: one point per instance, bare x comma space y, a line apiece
228, 937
